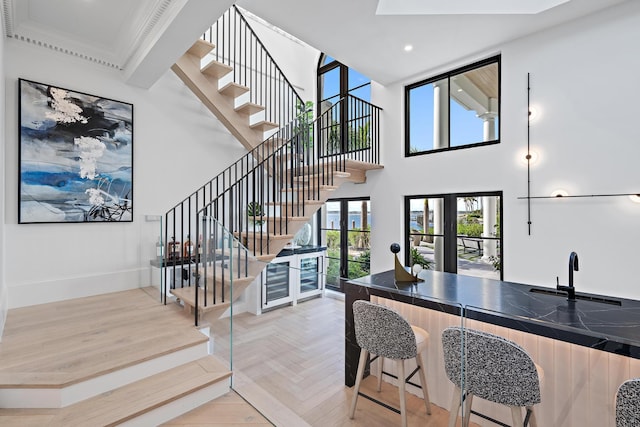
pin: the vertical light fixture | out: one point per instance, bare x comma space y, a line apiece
528, 157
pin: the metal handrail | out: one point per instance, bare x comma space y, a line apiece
302, 158
237, 45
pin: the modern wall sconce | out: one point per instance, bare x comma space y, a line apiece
529, 157
559, 193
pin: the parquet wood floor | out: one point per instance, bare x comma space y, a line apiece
295, 355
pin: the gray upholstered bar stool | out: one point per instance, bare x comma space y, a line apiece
496, 369
384, 333
628, 404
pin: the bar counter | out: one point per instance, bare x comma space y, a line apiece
599, 322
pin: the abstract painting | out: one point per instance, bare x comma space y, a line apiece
76, 156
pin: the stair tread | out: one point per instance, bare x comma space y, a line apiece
201, 48
306, 185
216, 69
266, 234
288, 203
266, 258
264, 125
135, 399
249, 108
188, 297
233, 89
286, 218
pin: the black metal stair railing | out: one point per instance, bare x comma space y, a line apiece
272, 184
238, 46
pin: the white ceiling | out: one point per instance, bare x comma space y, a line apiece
350, 31
105, 30
143, 38
117, 33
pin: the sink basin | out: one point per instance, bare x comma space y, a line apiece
578, 296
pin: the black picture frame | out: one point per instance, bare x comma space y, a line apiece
75, 156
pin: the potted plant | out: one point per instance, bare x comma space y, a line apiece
303, 131
254, 211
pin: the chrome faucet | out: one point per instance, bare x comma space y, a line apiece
573, 266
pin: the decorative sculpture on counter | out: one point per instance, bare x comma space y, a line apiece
402, 275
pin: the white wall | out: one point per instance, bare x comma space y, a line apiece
297, 60
584, 82
178, 146
3, 285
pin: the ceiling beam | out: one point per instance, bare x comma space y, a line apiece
183, 25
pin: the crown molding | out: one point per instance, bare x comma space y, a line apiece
142, 37
7, 17
139, 38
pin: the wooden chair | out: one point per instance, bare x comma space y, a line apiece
384, 333
495, 369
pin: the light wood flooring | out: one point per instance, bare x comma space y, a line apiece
227, 410
289, 362
293, 359
63, 343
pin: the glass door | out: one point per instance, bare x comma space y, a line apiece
345, 231
311, 271
275, 283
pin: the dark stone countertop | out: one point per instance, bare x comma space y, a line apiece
605, 323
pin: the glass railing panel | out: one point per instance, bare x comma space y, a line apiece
282, 327
223, 272
151, 253
583, 351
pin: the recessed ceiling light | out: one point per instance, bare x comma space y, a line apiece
408, 48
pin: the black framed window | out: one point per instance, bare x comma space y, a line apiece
345, 231
457, 233
342, 122
458, 109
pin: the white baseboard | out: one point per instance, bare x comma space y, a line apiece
74, 287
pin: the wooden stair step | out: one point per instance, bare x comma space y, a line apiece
216, 69
275, 142
188, 297
233, 90
265, 235
266, 258
201, 48
304, 185
286, 218
296, 208
136, 399
227, 276
264, 125
249, 108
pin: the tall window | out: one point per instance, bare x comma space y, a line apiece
456, 233
341, 126
454, 110
346, 227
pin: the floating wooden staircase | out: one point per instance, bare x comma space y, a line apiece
220, 95
290, 173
